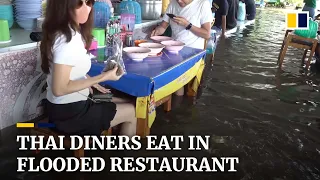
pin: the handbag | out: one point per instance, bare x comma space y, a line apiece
99, 97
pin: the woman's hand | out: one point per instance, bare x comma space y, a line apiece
99, 88
111, 75
181, 21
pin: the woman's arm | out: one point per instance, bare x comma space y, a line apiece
98, 87
62, 85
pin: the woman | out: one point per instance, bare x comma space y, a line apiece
191, 24
66, 38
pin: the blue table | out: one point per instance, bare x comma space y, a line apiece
155, 77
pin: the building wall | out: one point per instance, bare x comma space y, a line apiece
21, 83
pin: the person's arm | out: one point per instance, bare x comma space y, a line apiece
206, 20
159, 30
62, 85
98, 87
203, 32
65, 57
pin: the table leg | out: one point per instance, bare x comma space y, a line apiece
167, 105
143, 129
194, 84
166, 101
190, 91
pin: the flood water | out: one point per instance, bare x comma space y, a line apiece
269, 118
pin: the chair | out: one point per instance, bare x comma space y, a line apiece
46, 132
299, 42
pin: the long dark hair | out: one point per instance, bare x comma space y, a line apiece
60, 15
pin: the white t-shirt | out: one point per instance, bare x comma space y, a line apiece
198, 12
73, 54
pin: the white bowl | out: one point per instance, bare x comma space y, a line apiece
158, 39
173, 46
155, 48
137, 53
27, 24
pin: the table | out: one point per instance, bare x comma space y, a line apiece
154, 79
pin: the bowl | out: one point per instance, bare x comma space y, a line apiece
173, 46
155, 48
27, 24
158, 39
137, 53
137, 42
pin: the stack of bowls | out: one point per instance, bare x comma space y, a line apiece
6, 11
27, 12
170, 45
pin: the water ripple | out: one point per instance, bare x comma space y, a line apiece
272, 115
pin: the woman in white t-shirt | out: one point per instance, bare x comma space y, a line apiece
191, 24
66, 38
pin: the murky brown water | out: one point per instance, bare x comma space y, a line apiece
270, 119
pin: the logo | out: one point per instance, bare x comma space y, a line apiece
297, 20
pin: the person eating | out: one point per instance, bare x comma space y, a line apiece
190, 23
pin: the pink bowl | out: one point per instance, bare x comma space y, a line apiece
137, 53
154, 47
158, 39
173, 46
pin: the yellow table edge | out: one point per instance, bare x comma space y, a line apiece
148, 102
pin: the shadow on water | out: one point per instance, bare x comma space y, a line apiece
269, 118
